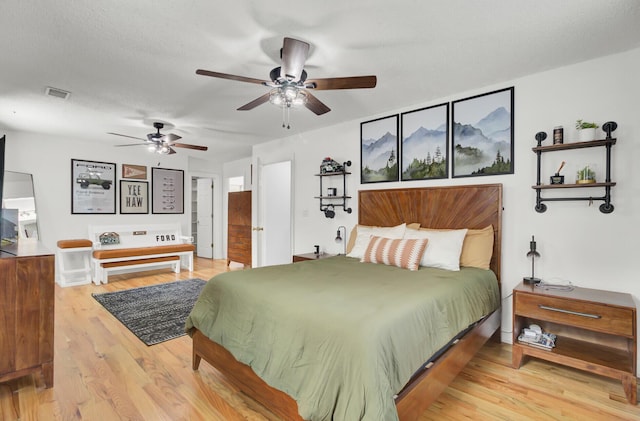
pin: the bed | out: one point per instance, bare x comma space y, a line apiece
385, 380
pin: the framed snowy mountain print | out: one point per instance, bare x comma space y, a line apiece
482, 134
379, 150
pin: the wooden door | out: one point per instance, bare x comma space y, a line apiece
239, 228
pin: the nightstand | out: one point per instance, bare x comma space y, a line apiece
595, 329
310, 256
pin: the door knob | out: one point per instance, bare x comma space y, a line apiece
257, 229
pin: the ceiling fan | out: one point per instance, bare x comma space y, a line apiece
161, 143
289, 82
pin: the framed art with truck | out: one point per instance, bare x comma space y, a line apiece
93, 187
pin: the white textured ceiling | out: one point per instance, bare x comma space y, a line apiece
131, 62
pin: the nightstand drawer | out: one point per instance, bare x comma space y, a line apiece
585, 315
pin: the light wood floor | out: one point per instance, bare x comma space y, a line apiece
103, 372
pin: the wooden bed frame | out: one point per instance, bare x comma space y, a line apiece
471, 206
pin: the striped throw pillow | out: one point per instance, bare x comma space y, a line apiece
404, 253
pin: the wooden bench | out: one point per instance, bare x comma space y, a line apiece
128, 248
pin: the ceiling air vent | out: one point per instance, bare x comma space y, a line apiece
58, 93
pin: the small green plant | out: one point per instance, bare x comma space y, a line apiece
586, 173
585, 125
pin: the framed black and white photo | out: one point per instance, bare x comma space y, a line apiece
93, 187
167, 187
134, 196
482, 134
424, 147
379, 150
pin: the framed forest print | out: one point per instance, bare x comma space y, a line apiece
482, 134
424, 147
93, 187
379, 150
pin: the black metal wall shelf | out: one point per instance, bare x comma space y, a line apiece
329, 203
607, 143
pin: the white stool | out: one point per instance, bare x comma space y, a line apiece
73, 259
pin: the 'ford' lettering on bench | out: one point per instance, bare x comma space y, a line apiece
165, 237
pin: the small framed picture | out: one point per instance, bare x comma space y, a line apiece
137, 172
379, 150
93, 188
134, 197
482, 134
168, 190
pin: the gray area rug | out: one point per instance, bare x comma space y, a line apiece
155, 313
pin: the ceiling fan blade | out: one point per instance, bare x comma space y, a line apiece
232, 77
132, 144
315, 105
294, 54
124, 135
172, 137
253, 104
188, 146
354, 82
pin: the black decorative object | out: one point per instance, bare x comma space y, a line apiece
533, 253
609, 127
329, 212
540, 137
342, 238
557, 178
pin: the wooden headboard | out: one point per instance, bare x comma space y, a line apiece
451, 207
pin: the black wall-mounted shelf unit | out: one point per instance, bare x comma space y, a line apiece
329, 203
607, 143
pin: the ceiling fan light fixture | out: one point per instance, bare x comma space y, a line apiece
287, 96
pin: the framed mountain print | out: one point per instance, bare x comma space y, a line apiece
482, 134
424, 147
379, 150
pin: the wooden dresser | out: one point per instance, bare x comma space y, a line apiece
595, 329
27, 287
239, 228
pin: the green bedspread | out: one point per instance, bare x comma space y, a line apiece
339, 336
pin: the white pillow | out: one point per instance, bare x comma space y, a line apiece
443, 249
364, 234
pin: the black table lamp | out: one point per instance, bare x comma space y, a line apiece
533, 254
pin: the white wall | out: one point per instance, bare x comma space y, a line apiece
576, 241
48, 159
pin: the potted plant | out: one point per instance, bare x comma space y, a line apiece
586, 175
586, 130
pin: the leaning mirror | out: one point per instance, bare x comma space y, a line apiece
18, 207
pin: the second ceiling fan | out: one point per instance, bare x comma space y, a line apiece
161, 143
289, 84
